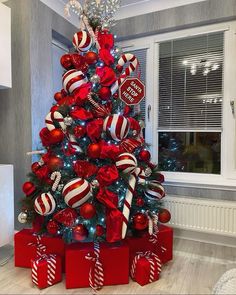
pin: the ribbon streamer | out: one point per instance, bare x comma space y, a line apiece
96, 274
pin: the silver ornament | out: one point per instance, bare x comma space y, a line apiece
22, 217
94, 183
95, 79
68, 121
106, 26
148, 172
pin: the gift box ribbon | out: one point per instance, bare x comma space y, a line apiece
40, 248
154, 260
96, 273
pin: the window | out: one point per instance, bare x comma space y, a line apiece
190, 104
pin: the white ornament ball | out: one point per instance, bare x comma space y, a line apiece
22, 217
82, 41
76, 192
116, 126
154, 190
73, 79
45, 204
126, 163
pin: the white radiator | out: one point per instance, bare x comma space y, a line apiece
204, 215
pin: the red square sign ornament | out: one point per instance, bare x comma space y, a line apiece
132, 91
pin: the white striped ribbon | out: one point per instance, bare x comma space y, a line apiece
96, 274
155, 264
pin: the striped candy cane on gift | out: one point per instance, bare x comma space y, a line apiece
96, 274
128, 200
133, 65
155, 264
54, 117
51, 269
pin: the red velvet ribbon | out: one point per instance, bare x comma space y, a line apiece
114, 217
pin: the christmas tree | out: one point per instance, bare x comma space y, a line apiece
94, 180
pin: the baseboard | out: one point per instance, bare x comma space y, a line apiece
205, 237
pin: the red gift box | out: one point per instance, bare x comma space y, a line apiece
163, 246
26, 247
114, 260
145, 268
46, 270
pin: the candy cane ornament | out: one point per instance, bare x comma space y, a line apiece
133, 65
56, 177
128, 200
53, 117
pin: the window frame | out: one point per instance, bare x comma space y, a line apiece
225, 180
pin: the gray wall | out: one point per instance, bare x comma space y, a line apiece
23, 107
187, 16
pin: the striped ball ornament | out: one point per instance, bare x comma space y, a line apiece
116, 126
154, 191
45, 204
126, 163
72, 80
76, 192
82, 41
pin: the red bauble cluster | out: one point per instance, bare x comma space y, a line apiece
28, 188
87, 211
80, 232
140, 221
144, 155
94, 150
79, 62
35, 167
56, 136
140, 202
53, 227
164, 216
79, 131
54, 163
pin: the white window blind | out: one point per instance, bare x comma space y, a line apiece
190, 83
141, 54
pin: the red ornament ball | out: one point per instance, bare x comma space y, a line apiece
56, 136
140, 221
78, 61
55, 163
99, 230
79, 131
80, 232
164, 216
91, 57
140, 202
87, 211
66, 61
28, 188
35, 167
53, 227
116, 95
104, 93
54, 108
144, 155
94, 150
58, 96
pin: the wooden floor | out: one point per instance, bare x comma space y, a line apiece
195, 269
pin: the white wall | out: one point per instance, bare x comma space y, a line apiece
5, 47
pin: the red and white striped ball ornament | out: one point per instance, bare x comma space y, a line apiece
154, 191
82, 41
45, 204
126, 163
116, 126
73, 79
76, 192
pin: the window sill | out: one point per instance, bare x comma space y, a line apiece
195, 180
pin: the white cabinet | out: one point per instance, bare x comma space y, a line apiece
6, 204
5, 47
